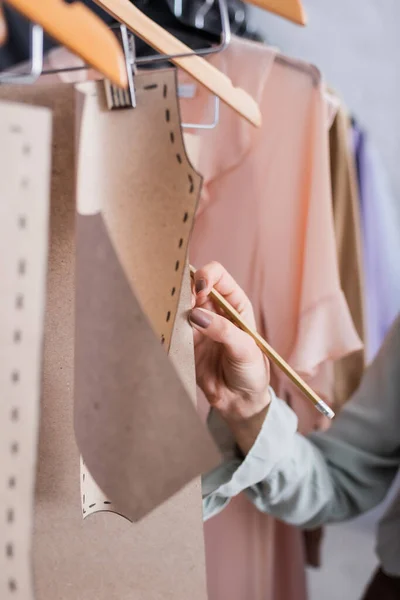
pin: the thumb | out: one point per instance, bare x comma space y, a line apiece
238, 344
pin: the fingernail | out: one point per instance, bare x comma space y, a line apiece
201, 285
200, 318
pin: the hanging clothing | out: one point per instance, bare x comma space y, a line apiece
266, 215
346, 213
346, 372
381, 243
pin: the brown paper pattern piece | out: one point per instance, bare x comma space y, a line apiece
25, 144
137, 196
104, 557
133, 167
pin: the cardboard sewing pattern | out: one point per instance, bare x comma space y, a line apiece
25, 150
136, 201
104, 556
133, 405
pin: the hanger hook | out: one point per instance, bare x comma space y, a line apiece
36, 60
178, 8
202, 13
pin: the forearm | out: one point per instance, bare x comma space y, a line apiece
282, 473
332, 477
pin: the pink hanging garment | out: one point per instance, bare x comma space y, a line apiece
266, 215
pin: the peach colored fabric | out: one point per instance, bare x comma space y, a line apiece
266, 214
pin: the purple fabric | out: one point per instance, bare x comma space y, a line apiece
380, 222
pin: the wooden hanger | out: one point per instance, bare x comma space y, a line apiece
289, 9
201, 70
80, 30
3, 26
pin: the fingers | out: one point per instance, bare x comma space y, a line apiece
214, 275
238, 344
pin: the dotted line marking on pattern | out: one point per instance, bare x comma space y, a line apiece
185, 218
177, 263
84, 498
21, 268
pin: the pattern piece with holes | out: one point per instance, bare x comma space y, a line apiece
25, 142
109, 170
103, 557
140, 436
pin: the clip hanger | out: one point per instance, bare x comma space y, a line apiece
116, 97
201, 70
80, 30
289, 9
124, 99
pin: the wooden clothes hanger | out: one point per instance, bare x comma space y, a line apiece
3, 26
80, 30
289, 9
201, 70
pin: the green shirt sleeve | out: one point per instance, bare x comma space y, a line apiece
327, 477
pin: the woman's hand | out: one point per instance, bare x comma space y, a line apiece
231, 370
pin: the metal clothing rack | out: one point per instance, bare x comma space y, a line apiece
126, 38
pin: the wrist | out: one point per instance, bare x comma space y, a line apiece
247, 428
249, 408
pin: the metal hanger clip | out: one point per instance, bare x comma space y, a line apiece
118, 98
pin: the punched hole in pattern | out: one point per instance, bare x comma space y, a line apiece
22, 222
15, 376
12, 482
10, 515
19, 302
168, 316
22, 267
9, 550
177, 265
173, 291
12, 585
167, 115
14, 414
14, 448
17, 337
185, 217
